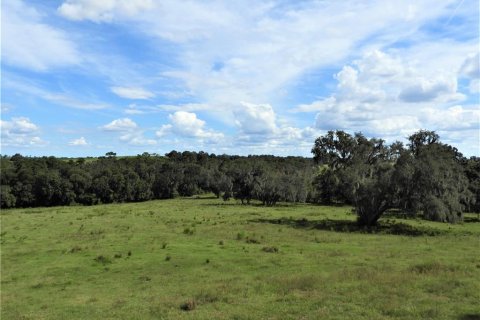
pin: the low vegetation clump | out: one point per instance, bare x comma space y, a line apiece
270, 249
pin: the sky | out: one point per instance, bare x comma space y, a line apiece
85, 77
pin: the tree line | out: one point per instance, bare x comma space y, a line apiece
425, 176
50, 181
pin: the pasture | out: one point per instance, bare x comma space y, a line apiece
202, 258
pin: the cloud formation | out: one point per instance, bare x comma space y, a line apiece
102, 11
186, 124
124, 124
385, 95
20, 132
132, 93
28, 42
78, 142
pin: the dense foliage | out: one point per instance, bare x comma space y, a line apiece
426, 177
50, 181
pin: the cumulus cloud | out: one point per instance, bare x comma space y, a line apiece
30, 43
130, 132
454, 118
78, 142
132, 93
124, 124
20, 132
429, 90
102, 11
255, 118
186, 124
385, 95
260, 127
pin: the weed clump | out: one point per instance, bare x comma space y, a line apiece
144, 278
270, 249
188, 231
168, 257
164, 245
188, 305
102, 259
252, 240
117, 255
431, 268
75, 249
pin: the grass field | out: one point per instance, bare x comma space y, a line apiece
206, 259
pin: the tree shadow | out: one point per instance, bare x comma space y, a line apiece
199, 197
384, 227
471, 220
470, 316
400, 214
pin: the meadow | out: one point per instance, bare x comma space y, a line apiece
203, 258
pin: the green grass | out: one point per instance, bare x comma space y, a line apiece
206, 259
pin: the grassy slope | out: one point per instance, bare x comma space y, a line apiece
52, 269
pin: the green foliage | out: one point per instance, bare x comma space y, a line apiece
7, 198
49, 181
428, 177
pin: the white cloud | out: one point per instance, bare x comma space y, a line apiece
392, 102
471, 70
132, 93
20, 125
25, 86
474, 86
137, 139
471, 66
429, 89
102, 11
455, 118
130, 132
255, 118
227, 52
124, 124
29, 43
259, 127
5, 107
20, 132
164, 130
78, 142
186, 124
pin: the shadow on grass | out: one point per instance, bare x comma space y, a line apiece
471, 219
399, 214
384, 227
471, 316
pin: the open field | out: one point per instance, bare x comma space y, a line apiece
158, 259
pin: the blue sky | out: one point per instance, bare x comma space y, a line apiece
84, 77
